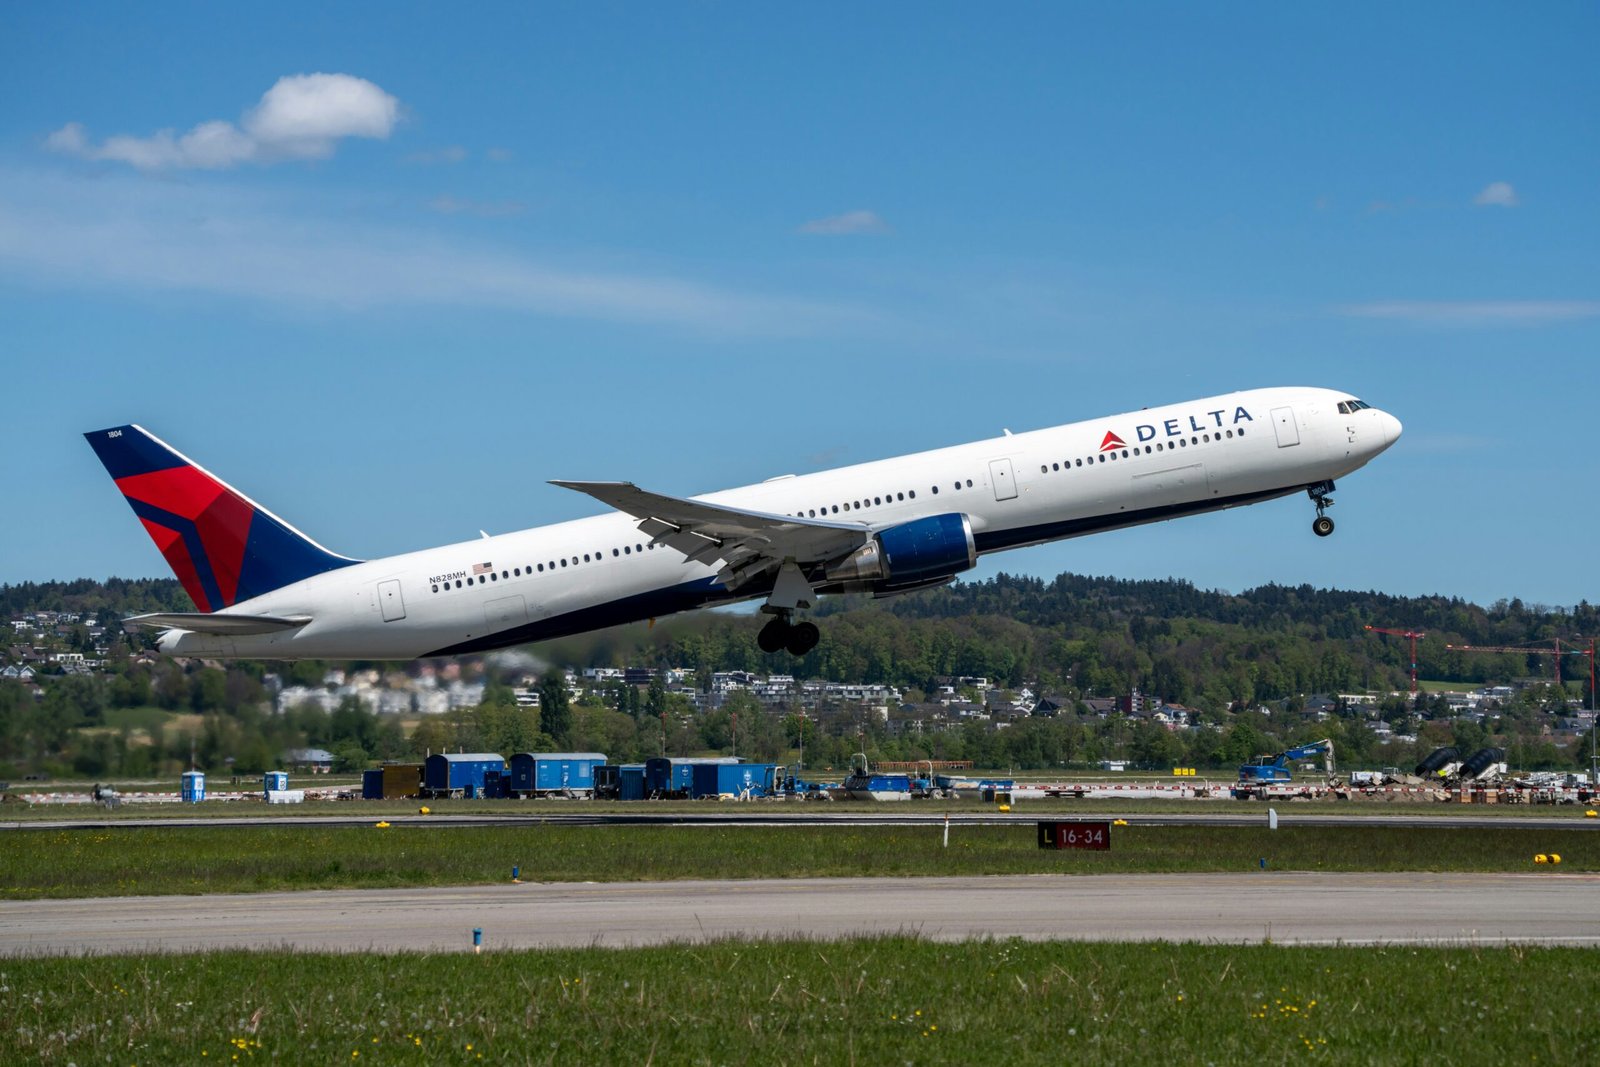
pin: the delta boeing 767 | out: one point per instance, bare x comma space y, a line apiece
264, 590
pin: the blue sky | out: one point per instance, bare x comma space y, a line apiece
698, 245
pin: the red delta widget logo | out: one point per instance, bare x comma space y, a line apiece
1179, 427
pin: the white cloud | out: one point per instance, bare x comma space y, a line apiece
1496, 194
849, 223
1477, 312
303, 116
489, 209
139, 236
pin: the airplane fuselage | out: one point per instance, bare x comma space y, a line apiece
1016, 490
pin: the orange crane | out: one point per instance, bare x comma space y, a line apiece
1413, 635
1555, 651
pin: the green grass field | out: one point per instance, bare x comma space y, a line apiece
886, 1000
159, 860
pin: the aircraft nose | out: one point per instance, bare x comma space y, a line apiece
1391, 428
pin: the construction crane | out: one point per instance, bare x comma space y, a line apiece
1555, 651
1413, 635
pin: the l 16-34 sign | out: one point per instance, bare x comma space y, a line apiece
1075, 834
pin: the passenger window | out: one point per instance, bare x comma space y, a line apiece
935, 490
969, 483
913, 492
563, 561
435, 589
458, 583
1241, 431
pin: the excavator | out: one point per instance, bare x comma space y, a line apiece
1264, 769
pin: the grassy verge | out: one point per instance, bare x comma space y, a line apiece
17, 811
889, 1000
157, 860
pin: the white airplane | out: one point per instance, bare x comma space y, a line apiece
267, 591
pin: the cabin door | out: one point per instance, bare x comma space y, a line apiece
1003, 478
394, 607
1287, 429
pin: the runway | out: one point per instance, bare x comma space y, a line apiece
1285, 908
827, 815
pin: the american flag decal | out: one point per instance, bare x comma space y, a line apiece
481, 568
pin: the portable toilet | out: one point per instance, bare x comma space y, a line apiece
194, 787
274, 781
372, 784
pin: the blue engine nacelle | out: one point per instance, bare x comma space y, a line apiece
920, 552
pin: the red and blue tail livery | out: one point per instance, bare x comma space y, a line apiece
222, 546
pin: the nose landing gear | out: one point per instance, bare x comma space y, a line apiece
1322, 526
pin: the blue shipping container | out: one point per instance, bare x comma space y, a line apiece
371, 785
630, 782
467, 773
737, 779
674, 775
554, 772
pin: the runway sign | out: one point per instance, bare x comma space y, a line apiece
1075, 834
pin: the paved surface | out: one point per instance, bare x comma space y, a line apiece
1285, 907
830, 815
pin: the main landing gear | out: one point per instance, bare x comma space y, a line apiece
782, 635
790, 592
1322, 526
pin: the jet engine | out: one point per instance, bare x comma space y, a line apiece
926, 551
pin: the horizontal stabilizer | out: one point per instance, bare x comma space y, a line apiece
216, 623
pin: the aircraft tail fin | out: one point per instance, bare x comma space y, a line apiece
221, 545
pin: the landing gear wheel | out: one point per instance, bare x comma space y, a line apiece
1322, 526
775, 635
803, 637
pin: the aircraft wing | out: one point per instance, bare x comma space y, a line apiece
747, 543
215, 623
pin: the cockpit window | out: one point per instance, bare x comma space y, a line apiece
1346, 407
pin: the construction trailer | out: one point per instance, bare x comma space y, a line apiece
401, 780
741, 780
672, 777
554, 773
468, 775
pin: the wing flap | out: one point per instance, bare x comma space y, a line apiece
748, 543
215, 623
